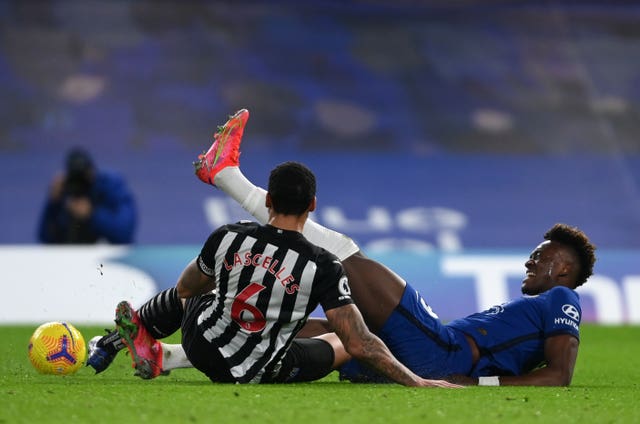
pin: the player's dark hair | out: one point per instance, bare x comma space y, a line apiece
292, 187
579, 242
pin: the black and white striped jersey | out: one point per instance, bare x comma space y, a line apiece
268, 282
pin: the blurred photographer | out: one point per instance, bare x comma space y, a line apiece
87, 206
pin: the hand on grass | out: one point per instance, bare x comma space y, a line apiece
438, 383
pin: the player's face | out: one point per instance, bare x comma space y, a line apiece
543, 268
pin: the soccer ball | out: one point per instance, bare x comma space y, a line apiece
57, 348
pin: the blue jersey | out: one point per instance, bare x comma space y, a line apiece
511, 336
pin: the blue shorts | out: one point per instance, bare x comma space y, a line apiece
418, 339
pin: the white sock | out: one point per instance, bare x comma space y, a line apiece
252, 198
173, 357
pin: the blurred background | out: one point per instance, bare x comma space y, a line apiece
435, 128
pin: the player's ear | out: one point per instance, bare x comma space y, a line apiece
313, 204
267, 201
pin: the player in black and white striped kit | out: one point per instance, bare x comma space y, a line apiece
268, 282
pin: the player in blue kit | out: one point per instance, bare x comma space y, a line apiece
529, 341
532, 340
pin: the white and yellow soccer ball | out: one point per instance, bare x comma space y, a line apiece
57, 348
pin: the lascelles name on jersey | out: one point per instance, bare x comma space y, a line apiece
267, 262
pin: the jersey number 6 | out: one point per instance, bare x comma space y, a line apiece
246, 315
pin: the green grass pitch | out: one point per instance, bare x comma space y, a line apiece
605, 389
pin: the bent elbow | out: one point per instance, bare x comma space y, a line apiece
565, 377
561, 379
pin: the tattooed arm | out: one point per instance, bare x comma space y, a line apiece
348, 324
